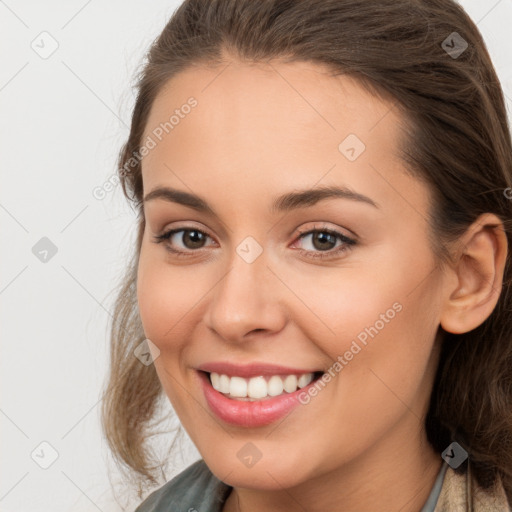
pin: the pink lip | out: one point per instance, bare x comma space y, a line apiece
250, 414
251, 370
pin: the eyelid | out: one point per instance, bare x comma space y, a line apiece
190, 226
166, 234
324, 226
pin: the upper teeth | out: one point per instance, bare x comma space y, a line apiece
258, 387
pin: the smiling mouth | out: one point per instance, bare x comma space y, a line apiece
259, 387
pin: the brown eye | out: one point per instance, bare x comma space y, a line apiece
323, 240
323, 243
193, 239
189, 239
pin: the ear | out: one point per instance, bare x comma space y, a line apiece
477, 275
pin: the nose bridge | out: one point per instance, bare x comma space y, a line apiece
246, 298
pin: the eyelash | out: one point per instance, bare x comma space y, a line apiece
347, 242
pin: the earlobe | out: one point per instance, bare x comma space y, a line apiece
473, 293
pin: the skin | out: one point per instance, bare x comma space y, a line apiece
259, 131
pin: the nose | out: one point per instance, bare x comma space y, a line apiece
249, 299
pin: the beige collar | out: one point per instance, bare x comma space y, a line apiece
461, 493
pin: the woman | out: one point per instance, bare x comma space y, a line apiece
321, 273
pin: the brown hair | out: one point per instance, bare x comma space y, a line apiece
458, 143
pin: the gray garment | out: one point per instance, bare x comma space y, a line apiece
431, 502
196, 489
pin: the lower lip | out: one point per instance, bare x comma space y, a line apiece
250, 414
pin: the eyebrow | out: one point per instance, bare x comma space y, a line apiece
284, 203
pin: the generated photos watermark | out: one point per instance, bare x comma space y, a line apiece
343, 360
152, 140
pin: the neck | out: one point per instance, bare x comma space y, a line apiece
395, 475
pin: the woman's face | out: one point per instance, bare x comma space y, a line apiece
343, 283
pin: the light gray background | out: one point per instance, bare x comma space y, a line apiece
63, 120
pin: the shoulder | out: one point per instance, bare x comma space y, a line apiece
195, 489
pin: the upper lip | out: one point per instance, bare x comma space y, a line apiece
252, 369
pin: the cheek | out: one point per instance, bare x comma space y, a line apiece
383, 317
387, 351
165, 303
338, 306
165, 297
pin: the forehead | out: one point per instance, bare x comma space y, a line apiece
297, 95
271, 123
